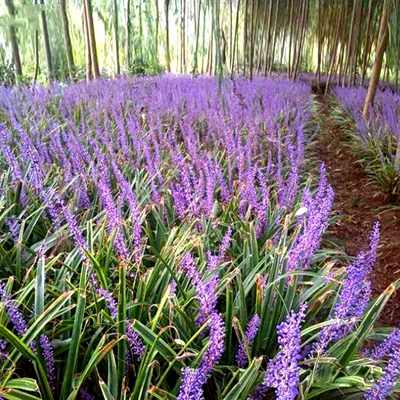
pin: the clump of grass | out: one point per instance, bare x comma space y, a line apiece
374, 140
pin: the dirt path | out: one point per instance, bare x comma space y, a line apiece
360, 204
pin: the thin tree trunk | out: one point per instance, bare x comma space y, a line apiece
218, 55
245, 16
36, 50
350, 42
366, 43
375, 35
67, 38
179, 38
140, 32
116, 41
210, 52
285, 25
128, 48
269, 36
356, 47
376, 69
301, 38
195, 62
256, 21
230, 30
272, 59
252, 24
88, 56
92, 38
320, 39
167, 55
291, 28
339, 68
334, 49
386, 74
235, 38
203, 40
223, 47
184, 36
343, 50
396, 43
261, 46
296, 38
13, 39
157, 29
46, 39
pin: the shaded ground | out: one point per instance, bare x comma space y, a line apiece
360, 204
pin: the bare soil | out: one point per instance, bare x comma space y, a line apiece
359, 203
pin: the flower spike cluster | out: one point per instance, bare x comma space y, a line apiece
250, 334
353, 296
193, 379
283, 371
389, 348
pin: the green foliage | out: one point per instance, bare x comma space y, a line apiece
54, 283
7, 75
139, 67
374, 152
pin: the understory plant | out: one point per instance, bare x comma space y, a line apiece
375, 139
160, 238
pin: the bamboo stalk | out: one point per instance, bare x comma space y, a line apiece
376, 69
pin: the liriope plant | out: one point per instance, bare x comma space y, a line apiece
374, 139
172, 249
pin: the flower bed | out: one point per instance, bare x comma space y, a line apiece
161, 238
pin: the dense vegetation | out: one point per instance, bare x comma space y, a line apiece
171, 246
162, 237
375, 139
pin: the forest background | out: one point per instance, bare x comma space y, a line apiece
87, 38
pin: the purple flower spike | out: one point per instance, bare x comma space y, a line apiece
283, 370
353, 296
223, 247
213, 260
204, 290
109, 299
215, 346
3, 351
85, 394
386, 383
171, 288
386, 347
14, 314
315, 222
194, 379
190, 389
13, 226
250, 334
47, 352
135, 343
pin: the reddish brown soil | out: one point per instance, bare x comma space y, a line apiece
359, 204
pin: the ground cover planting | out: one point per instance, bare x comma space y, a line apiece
358, 202
160, 238
375, 138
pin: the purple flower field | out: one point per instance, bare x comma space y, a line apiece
161, 238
